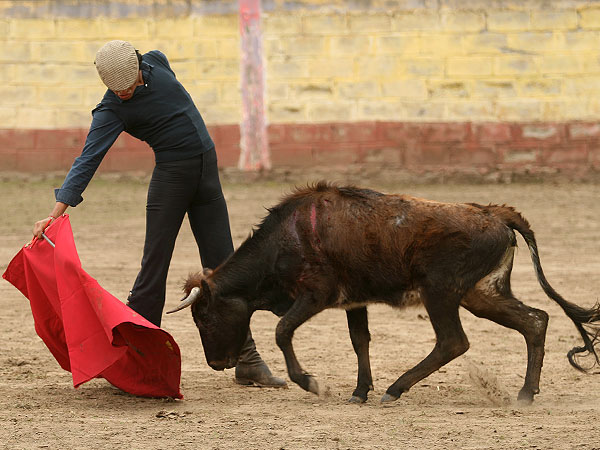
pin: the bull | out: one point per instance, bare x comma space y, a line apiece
329, 246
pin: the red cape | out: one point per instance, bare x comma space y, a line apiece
90, 332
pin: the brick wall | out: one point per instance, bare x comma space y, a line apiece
416, 85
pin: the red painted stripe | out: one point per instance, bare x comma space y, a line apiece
406, 145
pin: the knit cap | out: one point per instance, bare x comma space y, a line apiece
117, 64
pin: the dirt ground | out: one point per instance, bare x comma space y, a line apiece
469, 404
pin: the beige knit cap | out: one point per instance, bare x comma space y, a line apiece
117, 64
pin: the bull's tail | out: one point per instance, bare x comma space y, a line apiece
587, 321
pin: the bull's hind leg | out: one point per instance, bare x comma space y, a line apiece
495, 302
451, 343
358, 326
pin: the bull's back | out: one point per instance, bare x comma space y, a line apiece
389, 245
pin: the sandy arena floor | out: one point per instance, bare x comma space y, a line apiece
469, 404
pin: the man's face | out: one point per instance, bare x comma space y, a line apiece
128, 93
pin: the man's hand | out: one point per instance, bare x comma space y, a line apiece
41, 225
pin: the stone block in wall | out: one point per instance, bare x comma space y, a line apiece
126, 29
368, 109
15, 96
536, 135
37, 161
218, 69
516, 65
448, 89
492, 132
15, 52
494, 88
483, 43
323, 23
172, 28
566, 63
74, 117
7, 73
291, 155
502, 20
331, 112
8, 118
554, 19
281, 24
337, 155
469, 66
480, 156
358, 89
378, 66
316, 89
334, 67
582, 40
404, 88
462, 21
281, 67
303, 45
589, 18
534, 42
416, 21
214, 26
77, 29
518, 110
59, 96
539, 87
203, 92
575, 154
61, 139
421, 67
222, 113
404, 44
435, 44
369, 22
287, 111
350, 45
423, 154
465, 110
584, 131
28, 29
560, 109
382, 155
433, 110
511, 156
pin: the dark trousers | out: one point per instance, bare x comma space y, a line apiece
190, 186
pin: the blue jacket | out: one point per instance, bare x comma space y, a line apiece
161, 113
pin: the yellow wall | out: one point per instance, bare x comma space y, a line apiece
48, 80
535, 64
324, 61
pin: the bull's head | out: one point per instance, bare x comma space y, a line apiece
223, 322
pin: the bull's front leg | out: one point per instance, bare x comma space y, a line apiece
299, 313
358, 326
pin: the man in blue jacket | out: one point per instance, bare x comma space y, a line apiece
145, 100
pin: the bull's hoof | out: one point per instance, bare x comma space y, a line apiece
356, 399
387, 398
313, 386
525, 396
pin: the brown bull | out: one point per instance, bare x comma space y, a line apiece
344, 247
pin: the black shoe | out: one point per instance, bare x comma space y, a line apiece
251, 370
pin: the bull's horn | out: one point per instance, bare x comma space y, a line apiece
188, 301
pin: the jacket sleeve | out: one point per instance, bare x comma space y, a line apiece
104, 131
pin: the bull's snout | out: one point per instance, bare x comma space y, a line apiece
228, 363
